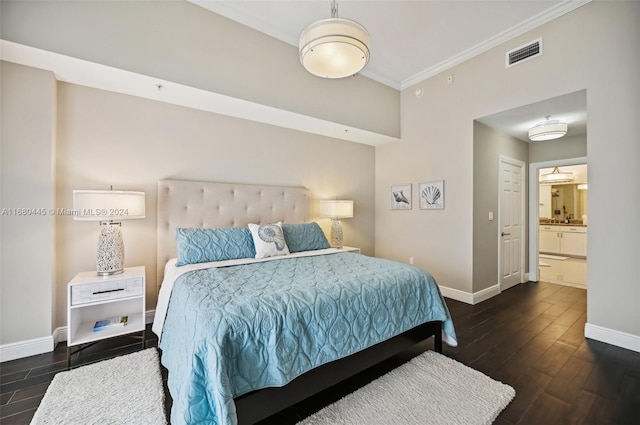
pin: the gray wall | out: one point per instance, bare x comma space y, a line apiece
27, 164
488, 145
184, 43
583, 49
107, 139
588, 48
565, 148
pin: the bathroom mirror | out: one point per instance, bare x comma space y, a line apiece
562, 201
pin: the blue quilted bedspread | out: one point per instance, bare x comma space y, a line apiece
235, 329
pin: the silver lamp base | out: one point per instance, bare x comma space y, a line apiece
336, 233
110, 257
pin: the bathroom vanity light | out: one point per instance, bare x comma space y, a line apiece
557, 176
547, 130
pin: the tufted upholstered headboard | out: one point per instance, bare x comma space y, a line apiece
184, 203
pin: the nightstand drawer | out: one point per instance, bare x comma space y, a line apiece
112, 289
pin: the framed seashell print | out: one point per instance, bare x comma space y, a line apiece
431, 195
401, 197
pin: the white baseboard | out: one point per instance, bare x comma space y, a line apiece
486, 293
148, 317
470, 298
456, 294
59, 335
18, 350
613, 337
32, 347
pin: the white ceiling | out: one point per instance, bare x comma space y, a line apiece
570, 108
410, 40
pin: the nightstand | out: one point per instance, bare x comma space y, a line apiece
350, 249
91, 298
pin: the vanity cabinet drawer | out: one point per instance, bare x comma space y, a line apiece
572, 229
565, 228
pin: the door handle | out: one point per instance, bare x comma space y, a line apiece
505, 234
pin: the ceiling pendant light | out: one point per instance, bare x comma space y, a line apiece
334, 47
547, 130
556, 176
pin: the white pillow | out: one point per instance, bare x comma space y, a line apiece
268, 239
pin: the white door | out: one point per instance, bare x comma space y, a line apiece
510, 251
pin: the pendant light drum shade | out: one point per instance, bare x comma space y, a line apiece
547, 130
334, 48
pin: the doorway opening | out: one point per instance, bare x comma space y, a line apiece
506, 134
558, 223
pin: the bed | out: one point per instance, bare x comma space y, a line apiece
243, 338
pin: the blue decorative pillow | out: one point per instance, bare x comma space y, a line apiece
219, 244
304, 237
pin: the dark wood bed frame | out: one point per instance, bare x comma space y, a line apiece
258, 405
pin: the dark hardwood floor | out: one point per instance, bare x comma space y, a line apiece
530, 337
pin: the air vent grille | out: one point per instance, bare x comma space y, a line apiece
522, 53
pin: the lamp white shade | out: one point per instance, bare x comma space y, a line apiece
336, 209
104, 205
334, 48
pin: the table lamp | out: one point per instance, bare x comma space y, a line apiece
109, 207
336, 210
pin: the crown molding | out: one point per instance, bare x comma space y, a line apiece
528, 25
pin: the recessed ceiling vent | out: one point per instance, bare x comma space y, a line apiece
523, 53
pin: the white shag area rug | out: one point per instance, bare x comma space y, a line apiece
123, 390
429, 389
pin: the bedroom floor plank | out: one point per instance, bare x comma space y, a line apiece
547, 409
530, 337
567, 384
19, 418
